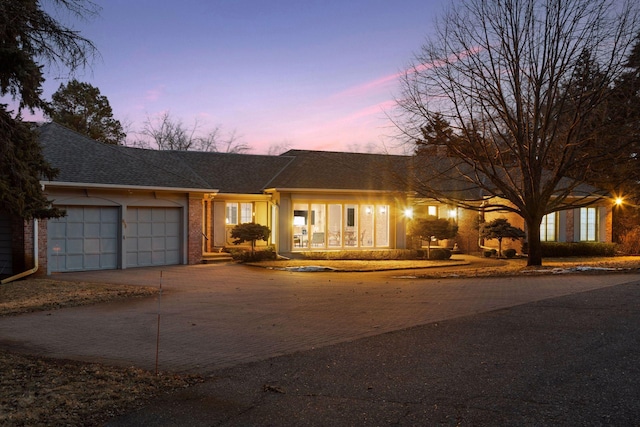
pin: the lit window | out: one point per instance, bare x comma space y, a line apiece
588, 223
232, 213
432, 210
246, 212
548, 228
382, 226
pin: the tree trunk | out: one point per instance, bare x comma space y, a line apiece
534, 257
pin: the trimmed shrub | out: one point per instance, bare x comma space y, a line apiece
488, 253
260, 255
509, 253
439, 254
586, 249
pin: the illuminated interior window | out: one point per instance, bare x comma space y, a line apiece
246, 212
333, 225
232, 214
548, 228
588, 224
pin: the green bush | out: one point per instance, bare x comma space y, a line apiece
439, 254
488, 253
260, 255
509, 253
559, 250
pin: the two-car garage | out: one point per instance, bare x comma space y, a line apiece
110, 237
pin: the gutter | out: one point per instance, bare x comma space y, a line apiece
35, 258
82, 185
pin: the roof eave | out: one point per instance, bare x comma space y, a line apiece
330, 190
59, 184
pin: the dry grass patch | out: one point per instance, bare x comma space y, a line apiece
47, 392
29, 295
38, 391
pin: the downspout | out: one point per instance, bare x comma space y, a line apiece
35, 258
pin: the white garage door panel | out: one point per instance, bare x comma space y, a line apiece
153, 236
85, 239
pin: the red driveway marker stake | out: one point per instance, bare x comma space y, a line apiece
158, 329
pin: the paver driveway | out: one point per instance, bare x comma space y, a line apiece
214, 316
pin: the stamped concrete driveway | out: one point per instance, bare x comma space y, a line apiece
214, 316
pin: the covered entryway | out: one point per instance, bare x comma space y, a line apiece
152, 236
85, 239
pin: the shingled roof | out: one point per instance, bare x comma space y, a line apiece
82, 160
343, 171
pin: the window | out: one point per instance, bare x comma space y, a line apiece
588, 224
333, 225
367, 226
382, 225
432, 210
232, 213
548, 228
350, 235
245, 210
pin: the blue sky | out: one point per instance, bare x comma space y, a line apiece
309, 74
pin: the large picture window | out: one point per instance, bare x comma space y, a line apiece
333, 225
588, 224
548, 228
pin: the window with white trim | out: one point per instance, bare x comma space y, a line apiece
588, 224
246, 213
548, 228
241, 211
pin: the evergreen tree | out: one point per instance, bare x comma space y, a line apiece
81, 107
29, 36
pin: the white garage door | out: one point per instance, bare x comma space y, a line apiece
85, 239
152, 236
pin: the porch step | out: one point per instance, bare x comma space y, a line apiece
215, 257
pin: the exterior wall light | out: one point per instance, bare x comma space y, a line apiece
408, 212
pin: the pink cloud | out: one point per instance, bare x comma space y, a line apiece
372, 110
385, 81
154, 94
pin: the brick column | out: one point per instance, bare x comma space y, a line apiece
194, 230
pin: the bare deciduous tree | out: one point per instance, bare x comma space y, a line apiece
168, 133
216, 141
279, 148
497, 73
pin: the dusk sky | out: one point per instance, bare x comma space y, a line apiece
310, 74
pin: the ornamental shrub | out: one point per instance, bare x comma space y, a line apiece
509, 253
575, 249
439, 254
